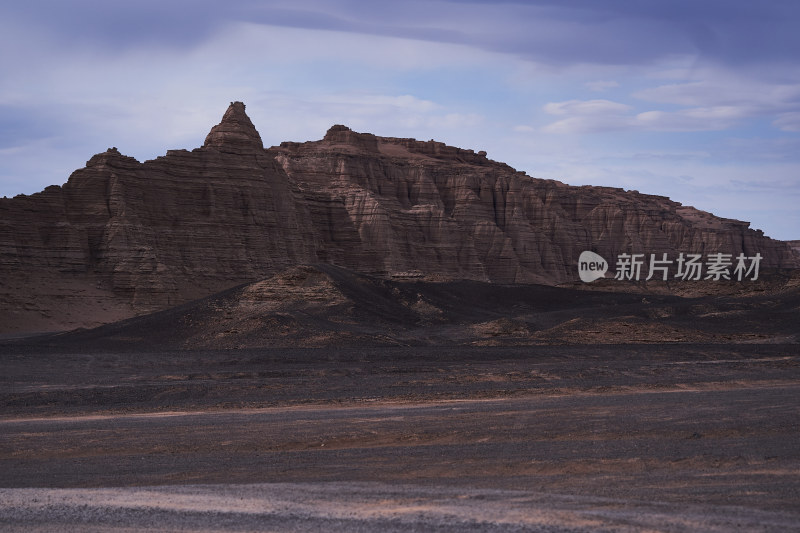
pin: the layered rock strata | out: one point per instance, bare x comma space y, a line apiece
123, 237
431, 208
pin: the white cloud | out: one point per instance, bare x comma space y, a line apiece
721, 100
718, 88
715, 100
588, 116
695, 119
586, 107
589, 124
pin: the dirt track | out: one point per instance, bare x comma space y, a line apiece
361, 507
710, 432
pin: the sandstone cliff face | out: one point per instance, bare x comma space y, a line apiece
436, 209
123, 237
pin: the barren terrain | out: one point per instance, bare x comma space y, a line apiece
541, 438
324, 400
330, 307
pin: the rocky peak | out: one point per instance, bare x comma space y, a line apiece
335, 131
235, 133
342, 135
111, 157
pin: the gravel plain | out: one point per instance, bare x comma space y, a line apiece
614, 438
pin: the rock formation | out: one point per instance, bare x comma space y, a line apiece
428, 207
323, 306
123, 237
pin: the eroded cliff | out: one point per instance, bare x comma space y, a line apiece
123, 237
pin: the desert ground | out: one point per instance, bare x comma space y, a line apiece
682, 437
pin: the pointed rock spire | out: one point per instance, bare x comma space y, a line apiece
235, 133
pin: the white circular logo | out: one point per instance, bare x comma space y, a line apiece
591, 266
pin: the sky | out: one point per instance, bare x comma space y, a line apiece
698, 100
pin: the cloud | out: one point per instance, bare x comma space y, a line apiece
755, 150
695, 119
366, 112
720, 88
586, 107
720, 99
600, 85
587, 116
120, 25
788, 121
735, 33
655, 121
369, 104
588, 124
570, 32
710, 114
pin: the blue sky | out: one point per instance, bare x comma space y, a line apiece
698, 100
